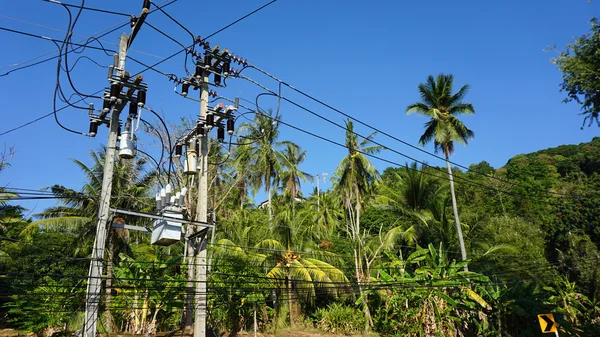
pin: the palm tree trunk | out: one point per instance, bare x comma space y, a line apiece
461, 241
255, 322
269, 196
290, 304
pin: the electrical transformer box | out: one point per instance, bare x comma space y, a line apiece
165, 232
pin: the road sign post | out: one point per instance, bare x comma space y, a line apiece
547, 323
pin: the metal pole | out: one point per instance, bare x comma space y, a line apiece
94, 285
202, 216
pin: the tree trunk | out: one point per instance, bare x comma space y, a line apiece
461, 241
269, 205
368, 319
144, 318
255, 323
290, 303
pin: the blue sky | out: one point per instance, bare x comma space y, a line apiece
365, 58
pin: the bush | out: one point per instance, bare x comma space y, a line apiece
339, 318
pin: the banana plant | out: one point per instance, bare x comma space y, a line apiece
447, 300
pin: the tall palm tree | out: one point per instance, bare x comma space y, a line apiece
441, 106
356, 176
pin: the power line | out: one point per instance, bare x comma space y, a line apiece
383, 132
89, 8
444, 176
147, 67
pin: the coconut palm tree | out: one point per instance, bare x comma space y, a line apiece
442, 107
78, 214
355, 179
291, 158
262, 133
288, 256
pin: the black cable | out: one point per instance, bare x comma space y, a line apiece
240, 19
162, 143
387, 134
29, 65
164, 34
170, 141
147, 67
176, 22
89, 8
57, 88
87, 58
271, 93
86, 44
103, 34
155, 162
374, 156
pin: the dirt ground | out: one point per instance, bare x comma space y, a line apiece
296, 333
280, 333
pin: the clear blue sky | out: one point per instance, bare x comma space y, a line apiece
365, 58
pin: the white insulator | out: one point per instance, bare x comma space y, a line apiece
168, 190
172, 200
182, 196
158, 202
163, 198
177, 197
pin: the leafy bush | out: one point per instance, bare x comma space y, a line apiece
339, 318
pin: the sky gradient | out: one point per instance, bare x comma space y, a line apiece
364, 58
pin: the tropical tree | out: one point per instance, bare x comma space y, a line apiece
290, 158
579, 65
131, 190
263, 133
355, 178
290, 259
442, 107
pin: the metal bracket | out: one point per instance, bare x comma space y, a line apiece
130, 227
199, 234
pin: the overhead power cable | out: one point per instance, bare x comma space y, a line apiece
102, 34
443, 176
370, 126
88, 8
147, 67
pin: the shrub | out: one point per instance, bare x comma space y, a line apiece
339, 318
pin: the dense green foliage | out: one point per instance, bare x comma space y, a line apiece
379, 251
580, 65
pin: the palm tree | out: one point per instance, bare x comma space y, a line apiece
288, 255
78, 214
408, 188
356, 176
291, 157
321, 217
264, 160
441, 106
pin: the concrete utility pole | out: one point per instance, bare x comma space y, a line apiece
114, 102
94, 286
202, 216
